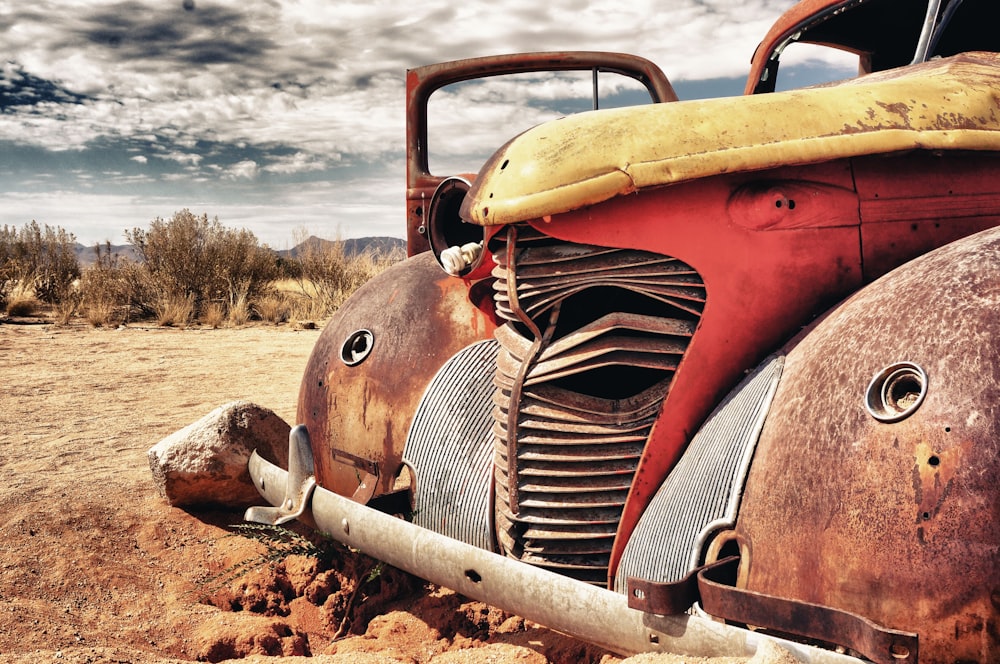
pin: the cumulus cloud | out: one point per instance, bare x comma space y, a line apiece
244, 170
203, 98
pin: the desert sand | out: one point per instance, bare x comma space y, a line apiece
96, 567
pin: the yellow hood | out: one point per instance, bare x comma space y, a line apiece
951, 104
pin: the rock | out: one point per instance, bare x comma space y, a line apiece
205, 463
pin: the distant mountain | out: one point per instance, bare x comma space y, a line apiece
86, 255
352, 247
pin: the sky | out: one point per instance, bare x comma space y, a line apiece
286, 117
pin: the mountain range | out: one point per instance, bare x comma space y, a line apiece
86, 255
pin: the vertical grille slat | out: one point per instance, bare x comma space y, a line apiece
702, 493
612, 326
449, 447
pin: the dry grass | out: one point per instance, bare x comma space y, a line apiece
100, 312
330, 276
214, 315
273, 308
174, 311
40, 261
66, 309
21, 300
191, 269
239, 311
22, 306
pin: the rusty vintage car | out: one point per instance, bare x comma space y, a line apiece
693, 374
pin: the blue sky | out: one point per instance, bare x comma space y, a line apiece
286, 117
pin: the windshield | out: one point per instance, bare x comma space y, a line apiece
884, 34
469, 120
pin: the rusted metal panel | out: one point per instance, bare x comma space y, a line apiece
761, 287
885, 34
895, 521
449, 449
418, 317
714, 587
922, 202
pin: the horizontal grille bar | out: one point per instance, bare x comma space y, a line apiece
612, 327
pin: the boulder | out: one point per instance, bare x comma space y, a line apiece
205, 463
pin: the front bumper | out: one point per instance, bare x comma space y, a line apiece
578, 609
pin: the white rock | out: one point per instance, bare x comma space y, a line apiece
205, 463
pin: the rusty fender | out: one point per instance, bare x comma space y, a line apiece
578, 609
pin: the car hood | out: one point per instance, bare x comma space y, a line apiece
948, 104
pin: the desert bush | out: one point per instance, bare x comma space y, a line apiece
214, 315
273, 308
68, 305
114, 290
22, 301
191, 257
329, 275
39, 259
101, 313
174, 311
239, 311
22, 307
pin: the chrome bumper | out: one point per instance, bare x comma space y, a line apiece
580, 610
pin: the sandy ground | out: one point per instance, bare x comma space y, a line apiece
95, 567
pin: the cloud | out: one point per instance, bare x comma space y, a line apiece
326, 75
244, 170
242, 104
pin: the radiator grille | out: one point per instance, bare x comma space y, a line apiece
592, 339
701, 496
450, 448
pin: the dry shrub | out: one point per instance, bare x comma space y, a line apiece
330, 275
214, 315
113, 290
22, 302
39, 259
67, 307
273, 308
301, 298
191, 257
309, 309
174, 311
100, 313
239, 311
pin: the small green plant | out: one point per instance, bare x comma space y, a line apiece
279, 543
283, 542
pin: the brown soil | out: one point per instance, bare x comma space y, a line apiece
95, 567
